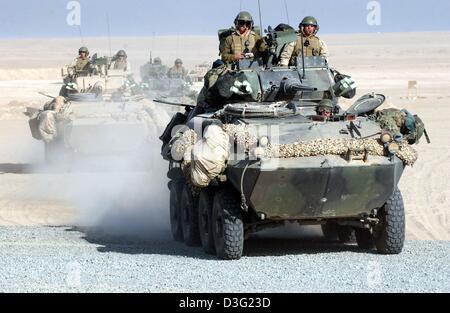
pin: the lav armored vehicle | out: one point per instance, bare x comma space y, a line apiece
97, 113
156, 85
263, 152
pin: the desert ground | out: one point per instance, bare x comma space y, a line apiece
381, 63
43, 210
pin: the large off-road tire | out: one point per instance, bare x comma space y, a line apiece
176, 187
390, 233
333, 232
205, 206
364, 238
228, 227
189, 217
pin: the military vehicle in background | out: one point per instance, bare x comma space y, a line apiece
199, 72
157, 85
97, 81
100, 112
274, 145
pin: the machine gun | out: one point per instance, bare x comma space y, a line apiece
276, 39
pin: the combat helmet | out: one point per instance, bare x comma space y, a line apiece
157, 61
121, 53
243, 16
178, 61
309, 20
83, 49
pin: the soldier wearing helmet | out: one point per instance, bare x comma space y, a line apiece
177, 71
244, 42
120, 61
325, 108
82, 63
312, 44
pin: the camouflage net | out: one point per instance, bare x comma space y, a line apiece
241, 135
356, 148
342, 147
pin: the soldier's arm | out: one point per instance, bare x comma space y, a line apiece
227, 51
323, 48
286, 54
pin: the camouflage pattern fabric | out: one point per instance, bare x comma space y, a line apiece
235, 43
177, 72
312, 46
401, 122
81, 64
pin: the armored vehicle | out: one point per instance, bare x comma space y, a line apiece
156, 85
77, 129
99, 113
274, 145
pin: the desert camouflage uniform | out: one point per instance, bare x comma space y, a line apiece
177, 72
312, 46
81, 65
235, 43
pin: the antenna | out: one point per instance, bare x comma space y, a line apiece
178, 45
303, 54
109, 34
81, 35
260, 18
240, 6
287, 11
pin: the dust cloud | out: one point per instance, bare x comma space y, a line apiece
117, 194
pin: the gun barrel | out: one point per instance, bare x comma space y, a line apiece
293, 87
174, 103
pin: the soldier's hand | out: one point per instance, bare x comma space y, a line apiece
239, 56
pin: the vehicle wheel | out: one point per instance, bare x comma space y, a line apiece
176, 187
228, 228
346, 234
330, 231
364, 238
390, 233
205, 205
189, 217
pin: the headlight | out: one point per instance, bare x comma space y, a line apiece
263, 141
393, 147
386, 137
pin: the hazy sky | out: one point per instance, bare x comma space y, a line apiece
48, 18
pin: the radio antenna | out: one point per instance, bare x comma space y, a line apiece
303, 53
109, 34
287, 11
81, 35
260, 16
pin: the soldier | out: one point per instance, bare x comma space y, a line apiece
120, 61
312, 44
82, 63
177, 71
244, 42
157, 69
325, 108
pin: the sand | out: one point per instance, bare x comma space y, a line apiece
381, 63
